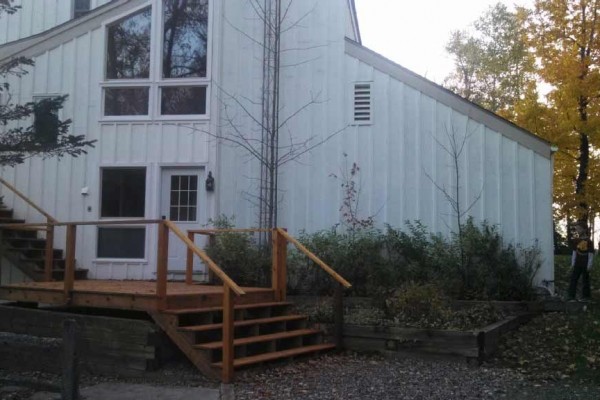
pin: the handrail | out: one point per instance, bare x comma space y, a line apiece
316, 259
49, 217
207, 260
217, 231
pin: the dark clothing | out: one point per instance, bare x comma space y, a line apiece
581, 262
577, 272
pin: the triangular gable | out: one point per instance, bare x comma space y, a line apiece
37, 44
450, 99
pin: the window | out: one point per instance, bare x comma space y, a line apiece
123, 196
179, 83
80, 8
184, 198
123, 192
362, 103
46, 118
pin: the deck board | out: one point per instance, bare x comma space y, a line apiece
139, 295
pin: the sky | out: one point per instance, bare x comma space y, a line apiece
414, 33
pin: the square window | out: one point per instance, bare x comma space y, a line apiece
80, 8
123, 192
127, 242
183, 100
126, 101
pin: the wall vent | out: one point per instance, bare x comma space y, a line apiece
362, 103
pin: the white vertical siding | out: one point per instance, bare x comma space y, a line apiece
399, 154
36, 16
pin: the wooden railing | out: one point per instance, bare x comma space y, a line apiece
48, 228
280, 239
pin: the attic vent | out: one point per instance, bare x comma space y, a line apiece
362, 103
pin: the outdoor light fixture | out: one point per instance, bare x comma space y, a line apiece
210, 182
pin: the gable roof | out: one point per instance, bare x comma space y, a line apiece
36, 44
449, 98
354, 16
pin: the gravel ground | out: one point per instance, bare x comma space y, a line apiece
350, 376
345, 376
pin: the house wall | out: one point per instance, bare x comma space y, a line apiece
36, 16
396, 153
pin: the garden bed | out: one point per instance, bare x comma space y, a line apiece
476, 344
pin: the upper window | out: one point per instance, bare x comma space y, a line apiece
80, 8
177, 85
185, 32
128, 47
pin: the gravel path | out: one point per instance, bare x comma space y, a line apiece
350, 376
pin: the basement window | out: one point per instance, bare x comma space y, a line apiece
362, 111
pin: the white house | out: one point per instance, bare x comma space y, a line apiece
156, 102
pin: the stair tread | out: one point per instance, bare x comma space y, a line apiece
259, 338
246, 322
244, 361
237, 307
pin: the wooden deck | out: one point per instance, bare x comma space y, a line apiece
133, 295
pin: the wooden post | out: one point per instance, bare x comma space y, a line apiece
162, 261
212, 242
279, 268
70, 378
69, 277
338, 316
228, 348
49, 260
189, 262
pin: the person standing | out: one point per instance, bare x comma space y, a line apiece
581, 263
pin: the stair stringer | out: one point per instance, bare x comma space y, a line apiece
199, 358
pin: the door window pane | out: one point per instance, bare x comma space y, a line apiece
185, 34
128, 47
184, 197
121, 242
183, 100
126, 101
123, 192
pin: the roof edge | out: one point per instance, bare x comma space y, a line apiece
445, 96
32, 46
355, 24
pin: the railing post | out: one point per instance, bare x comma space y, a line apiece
282, 265
49, 260
338, 316
189, 262
162, 259
228, 348
275, 265
212, 242
69, 277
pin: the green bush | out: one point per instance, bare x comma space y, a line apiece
477, 265
239, 255
353, 255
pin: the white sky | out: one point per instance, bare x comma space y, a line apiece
413, 33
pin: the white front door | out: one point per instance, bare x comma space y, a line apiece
183, 201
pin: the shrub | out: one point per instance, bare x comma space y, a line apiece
239, 256
414, 302
377, 263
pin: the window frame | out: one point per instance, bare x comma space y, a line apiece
155, 81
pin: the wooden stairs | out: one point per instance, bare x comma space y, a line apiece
265, 330
27, 251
